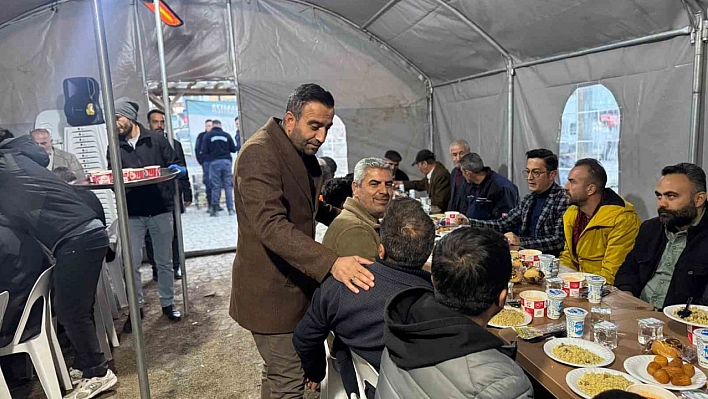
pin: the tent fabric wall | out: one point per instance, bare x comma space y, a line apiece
379, 97
530, 30
42, 51
474, 110
652, 84
196, 50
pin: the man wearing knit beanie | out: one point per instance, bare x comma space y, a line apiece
150, 207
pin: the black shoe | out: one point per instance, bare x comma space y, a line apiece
219, 208
178, 274
172, 313
231, 213
128, 327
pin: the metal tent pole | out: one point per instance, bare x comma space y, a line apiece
232, 56
698, 37
170, 137
431, 126
139, 37
510, 124
104, 70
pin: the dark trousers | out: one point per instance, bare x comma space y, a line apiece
282, 376
344, 364
78, 267
207, 181
221, 177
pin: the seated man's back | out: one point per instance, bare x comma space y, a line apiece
427, 338
407, 238
22, 261
436, 342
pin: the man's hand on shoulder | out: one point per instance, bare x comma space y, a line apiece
351, 272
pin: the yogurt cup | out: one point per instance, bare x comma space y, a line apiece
595, 284
555, 303
700, 337
451, 218
692, 334
575, 321
534, 302
102, 177
572, 283
152, 171
530, 257
133, 174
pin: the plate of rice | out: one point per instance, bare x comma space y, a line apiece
510, 317
698, 317
578, 352
590, 382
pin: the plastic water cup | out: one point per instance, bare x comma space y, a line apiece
649, 329
595, 284
546, 264
700, 336
555, 303
411, 193
605, 334
575, 321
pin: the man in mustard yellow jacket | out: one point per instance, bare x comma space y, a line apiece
600, 226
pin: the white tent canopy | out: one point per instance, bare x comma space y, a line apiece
396, 68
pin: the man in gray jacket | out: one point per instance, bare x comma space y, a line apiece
431, 334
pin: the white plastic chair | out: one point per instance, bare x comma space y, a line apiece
332, 386
4, 390
364, 372
43, 348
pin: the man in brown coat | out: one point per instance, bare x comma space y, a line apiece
278, 264
356, 230
436, 181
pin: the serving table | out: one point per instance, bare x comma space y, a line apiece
626, 309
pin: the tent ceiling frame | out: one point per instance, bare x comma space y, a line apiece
371, 35
612, 46
379, 13
422, 75
31, 13
469, 22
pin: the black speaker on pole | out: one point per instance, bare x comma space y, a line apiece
81, 102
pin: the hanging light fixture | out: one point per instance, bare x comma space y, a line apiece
167, 16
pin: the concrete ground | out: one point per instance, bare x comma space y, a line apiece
202, 232
206, 355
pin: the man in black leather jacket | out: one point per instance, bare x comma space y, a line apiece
669, 262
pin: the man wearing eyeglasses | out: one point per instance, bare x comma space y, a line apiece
539, 216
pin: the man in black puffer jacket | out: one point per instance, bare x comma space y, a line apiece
151, 207
45, 207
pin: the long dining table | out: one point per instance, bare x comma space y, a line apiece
626, 309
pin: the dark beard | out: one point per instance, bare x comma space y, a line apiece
674, 220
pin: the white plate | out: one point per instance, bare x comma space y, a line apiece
670, 312
527, 319
574, 376
637, 366
591, 346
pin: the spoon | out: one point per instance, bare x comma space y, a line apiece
685, 312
